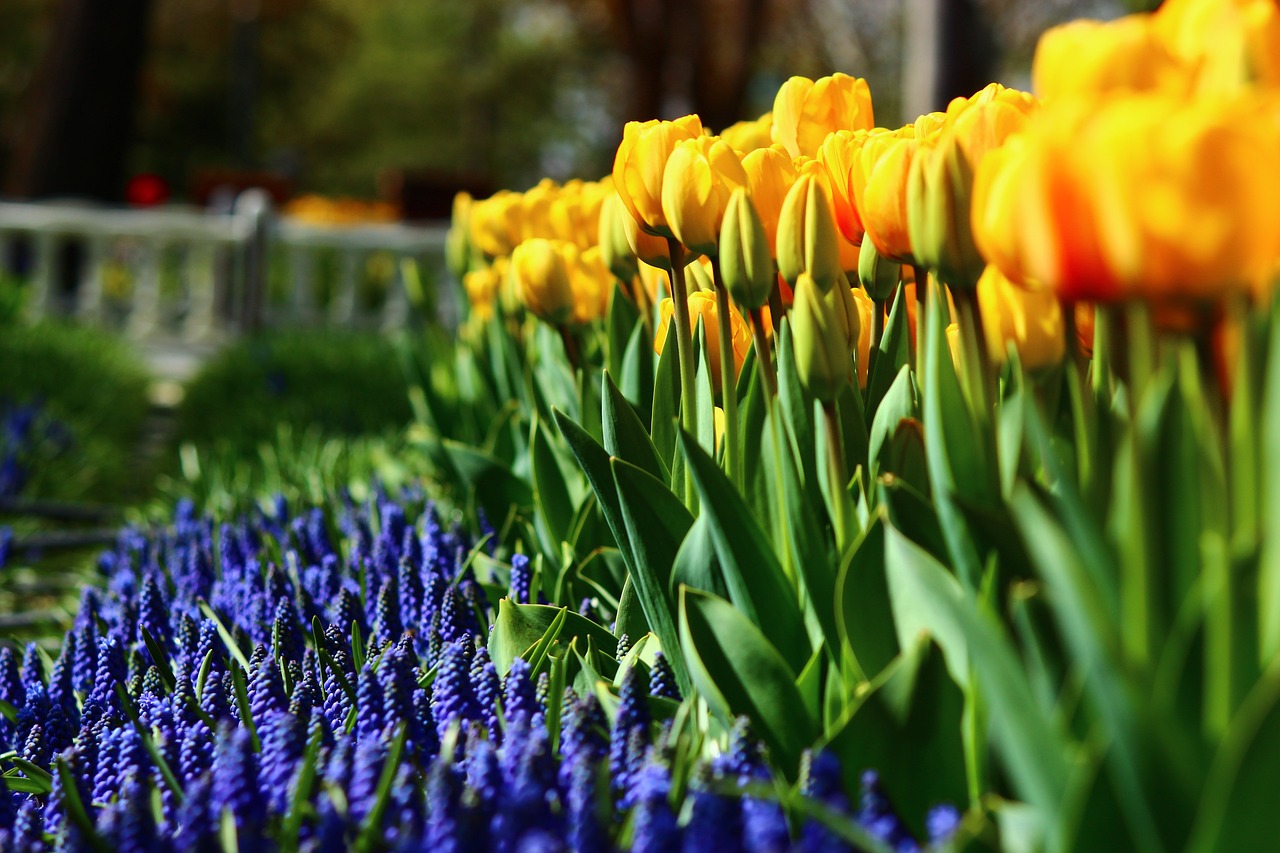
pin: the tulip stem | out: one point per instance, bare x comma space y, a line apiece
728, 377
570, 346
977, 360
684, 351
764, 358
877, 321
838, 474
776, 311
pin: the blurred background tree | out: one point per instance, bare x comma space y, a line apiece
330, 95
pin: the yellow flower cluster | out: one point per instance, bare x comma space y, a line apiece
323, 210
1148, 167
540, 248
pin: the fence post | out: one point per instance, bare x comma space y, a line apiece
253, 207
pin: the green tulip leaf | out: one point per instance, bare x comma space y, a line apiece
624, 434
528, 630
738, 671
657, 522
756, 582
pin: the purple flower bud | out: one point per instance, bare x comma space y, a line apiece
662, 679
453, 699
521, 579
655, 825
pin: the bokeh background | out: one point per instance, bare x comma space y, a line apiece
408, 100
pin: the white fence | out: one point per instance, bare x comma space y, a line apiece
190, 277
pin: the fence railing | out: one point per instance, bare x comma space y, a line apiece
198, 277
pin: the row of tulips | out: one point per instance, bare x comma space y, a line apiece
372, 681
943, 434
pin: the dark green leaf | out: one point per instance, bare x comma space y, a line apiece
864, 615
625, 436
657, 523
738, 671
756, 582
520, 627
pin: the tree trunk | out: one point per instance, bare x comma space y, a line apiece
81, 109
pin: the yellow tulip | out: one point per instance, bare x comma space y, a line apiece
482, 287
640, 163
495, 223
746, 136
866, 311
612, 238
703, 305
1227, 45
805, 111
1093, 57
534, 210
700, 176
542, 279
770, 174
1030, 320
878, 177
590, 281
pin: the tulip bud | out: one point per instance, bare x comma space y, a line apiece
825, 329
614, 248
878, 275
457, 247
745, 260
699, 278
542, 280
807, 239
700, 176
939, 190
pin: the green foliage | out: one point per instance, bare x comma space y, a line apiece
333, 383
92, 384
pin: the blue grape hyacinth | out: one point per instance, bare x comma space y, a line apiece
317, 692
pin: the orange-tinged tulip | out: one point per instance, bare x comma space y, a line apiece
640, 163
770, 174
1140, 196
541, 276
700, 176
805, 111
836, 154
878, 177
746, 136
1093, 57
703, 305
1030, 320
1086, 319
